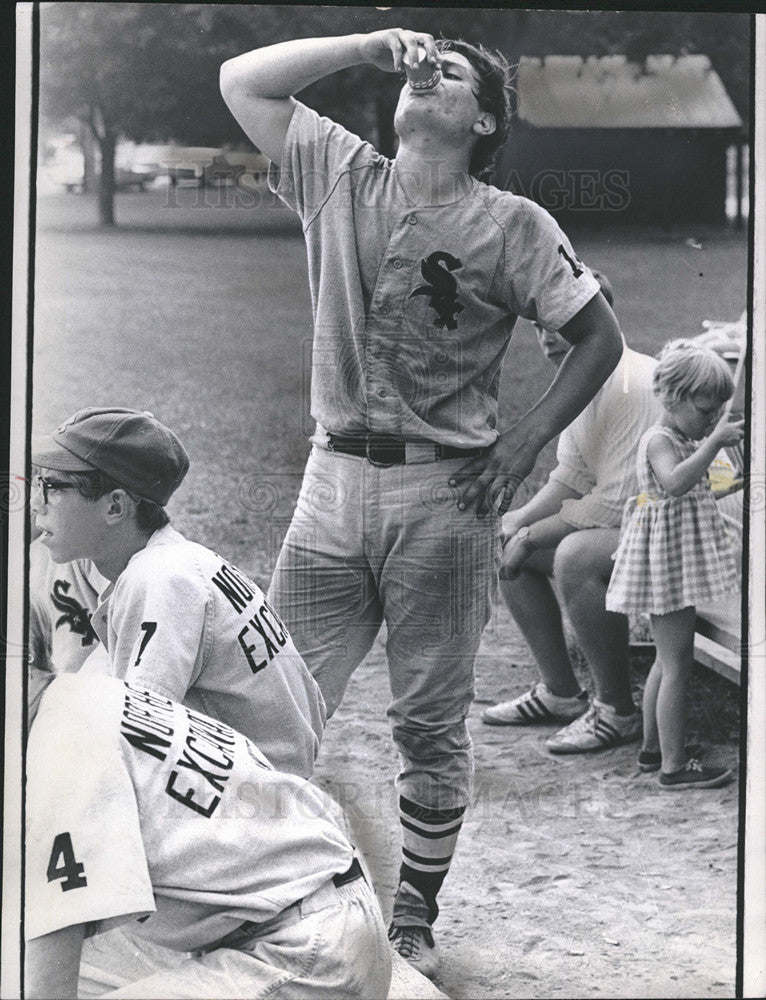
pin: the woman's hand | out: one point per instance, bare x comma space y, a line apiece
516, 551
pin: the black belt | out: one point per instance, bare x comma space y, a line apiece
381, 449
249, 928
353, 872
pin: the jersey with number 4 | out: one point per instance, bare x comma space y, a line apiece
139, 807
184, 622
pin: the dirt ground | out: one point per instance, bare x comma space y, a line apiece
574, 876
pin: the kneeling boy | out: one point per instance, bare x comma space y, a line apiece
141, 810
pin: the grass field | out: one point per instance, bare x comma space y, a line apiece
201, 313
198, 310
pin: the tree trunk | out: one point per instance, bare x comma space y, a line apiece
107, 144
87, 146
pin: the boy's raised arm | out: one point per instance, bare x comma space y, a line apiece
258, 86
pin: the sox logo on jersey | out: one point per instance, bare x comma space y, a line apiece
73, 613
441, 287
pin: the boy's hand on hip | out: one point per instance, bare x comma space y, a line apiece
494, 477
385, 49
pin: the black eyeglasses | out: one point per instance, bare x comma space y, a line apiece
45, 485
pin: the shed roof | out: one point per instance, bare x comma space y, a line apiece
610, 92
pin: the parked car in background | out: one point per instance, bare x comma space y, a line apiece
135, 178
139, 166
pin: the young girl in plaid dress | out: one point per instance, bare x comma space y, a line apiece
674, 550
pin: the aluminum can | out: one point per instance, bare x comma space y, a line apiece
424, 75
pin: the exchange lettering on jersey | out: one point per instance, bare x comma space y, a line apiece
264, 633
199, 775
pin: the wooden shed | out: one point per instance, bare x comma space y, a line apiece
611, 140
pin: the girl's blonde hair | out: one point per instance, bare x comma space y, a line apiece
684, 369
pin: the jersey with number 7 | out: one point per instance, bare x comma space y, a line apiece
182, 621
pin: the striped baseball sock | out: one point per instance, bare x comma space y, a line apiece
429, 837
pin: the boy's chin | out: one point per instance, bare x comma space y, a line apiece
58, 555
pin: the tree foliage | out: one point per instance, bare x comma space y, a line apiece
149, 71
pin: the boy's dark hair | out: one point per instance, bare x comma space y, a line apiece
493, 95
91, 485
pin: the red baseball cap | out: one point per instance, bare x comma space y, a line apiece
129, 446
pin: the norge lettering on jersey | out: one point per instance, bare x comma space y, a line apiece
264, 634
202, 770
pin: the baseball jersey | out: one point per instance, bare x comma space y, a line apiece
140, 807
184, 622
62, 597
414, 305
597, 451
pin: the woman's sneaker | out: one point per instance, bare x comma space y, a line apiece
651, 760
600, 728
694, 775
534, 706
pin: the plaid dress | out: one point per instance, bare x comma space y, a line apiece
674, 551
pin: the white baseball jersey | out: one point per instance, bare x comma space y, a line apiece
414, 305
139, 807
62, 597
182, 621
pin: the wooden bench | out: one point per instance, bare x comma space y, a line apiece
717, 636
717, 639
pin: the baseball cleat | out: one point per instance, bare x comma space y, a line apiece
416, 945
410, 931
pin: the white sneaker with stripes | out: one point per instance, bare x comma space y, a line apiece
600, 728
535, 706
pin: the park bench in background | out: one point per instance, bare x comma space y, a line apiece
718, 635
718, 632
717, 639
